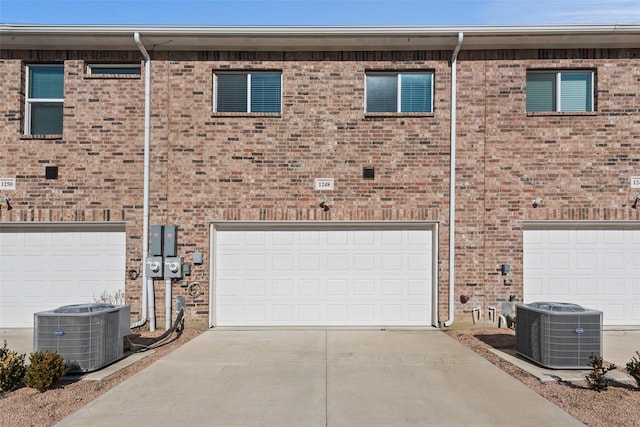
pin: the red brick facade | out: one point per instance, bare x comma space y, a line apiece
208, 167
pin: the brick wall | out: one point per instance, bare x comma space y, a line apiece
208, 167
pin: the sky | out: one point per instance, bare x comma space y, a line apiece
319, 12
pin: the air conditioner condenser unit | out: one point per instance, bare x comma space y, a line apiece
558, 335
87, 336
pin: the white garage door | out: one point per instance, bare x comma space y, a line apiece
323, 277
45, 268
595, 268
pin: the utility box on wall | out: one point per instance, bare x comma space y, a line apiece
173, 268
154, 266
157, 235
170, 241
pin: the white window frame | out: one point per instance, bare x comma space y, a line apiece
248, 75
30, 101
398, 75
558, 80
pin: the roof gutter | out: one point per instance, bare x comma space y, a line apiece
452, 183
147, 297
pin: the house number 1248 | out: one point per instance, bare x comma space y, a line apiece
324, 184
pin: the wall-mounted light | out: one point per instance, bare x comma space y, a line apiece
6, 200
635, 202
537, 202
505, 268
323, 203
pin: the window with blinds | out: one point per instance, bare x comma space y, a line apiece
44, 100
256, 92
560, 91
399, 92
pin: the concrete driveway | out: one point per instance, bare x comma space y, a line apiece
321, 378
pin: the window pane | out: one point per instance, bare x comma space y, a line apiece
541, 92
382, 93
575, 91
115, 70
46, 119
232, 93
265, 92
46, 81
416, 92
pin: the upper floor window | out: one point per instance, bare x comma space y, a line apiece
399, 92
44, 100
248, 92
113, 69
566, 90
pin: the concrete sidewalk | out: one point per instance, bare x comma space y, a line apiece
320, 378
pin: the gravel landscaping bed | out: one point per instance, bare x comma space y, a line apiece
617, 406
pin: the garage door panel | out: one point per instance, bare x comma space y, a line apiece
392, 287
595, 268
588, 287
558, 237
391, 313
587, 261
392, 262
338, 261
613, 261
361, 238
327, 277
282, 287
337, 312
309, 262
613, 237
587, 237
46, 268
418, 262
558, 260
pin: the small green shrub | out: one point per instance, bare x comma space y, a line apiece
596, 378
12, 369
45, 371
633, 368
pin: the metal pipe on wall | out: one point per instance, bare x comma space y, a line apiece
452, 184
147, 284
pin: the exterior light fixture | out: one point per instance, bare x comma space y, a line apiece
323, 203
6, 200
634, 205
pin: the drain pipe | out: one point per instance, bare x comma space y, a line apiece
452, 184
147, 283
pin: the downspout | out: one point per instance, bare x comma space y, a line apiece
147, 283
452, 184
